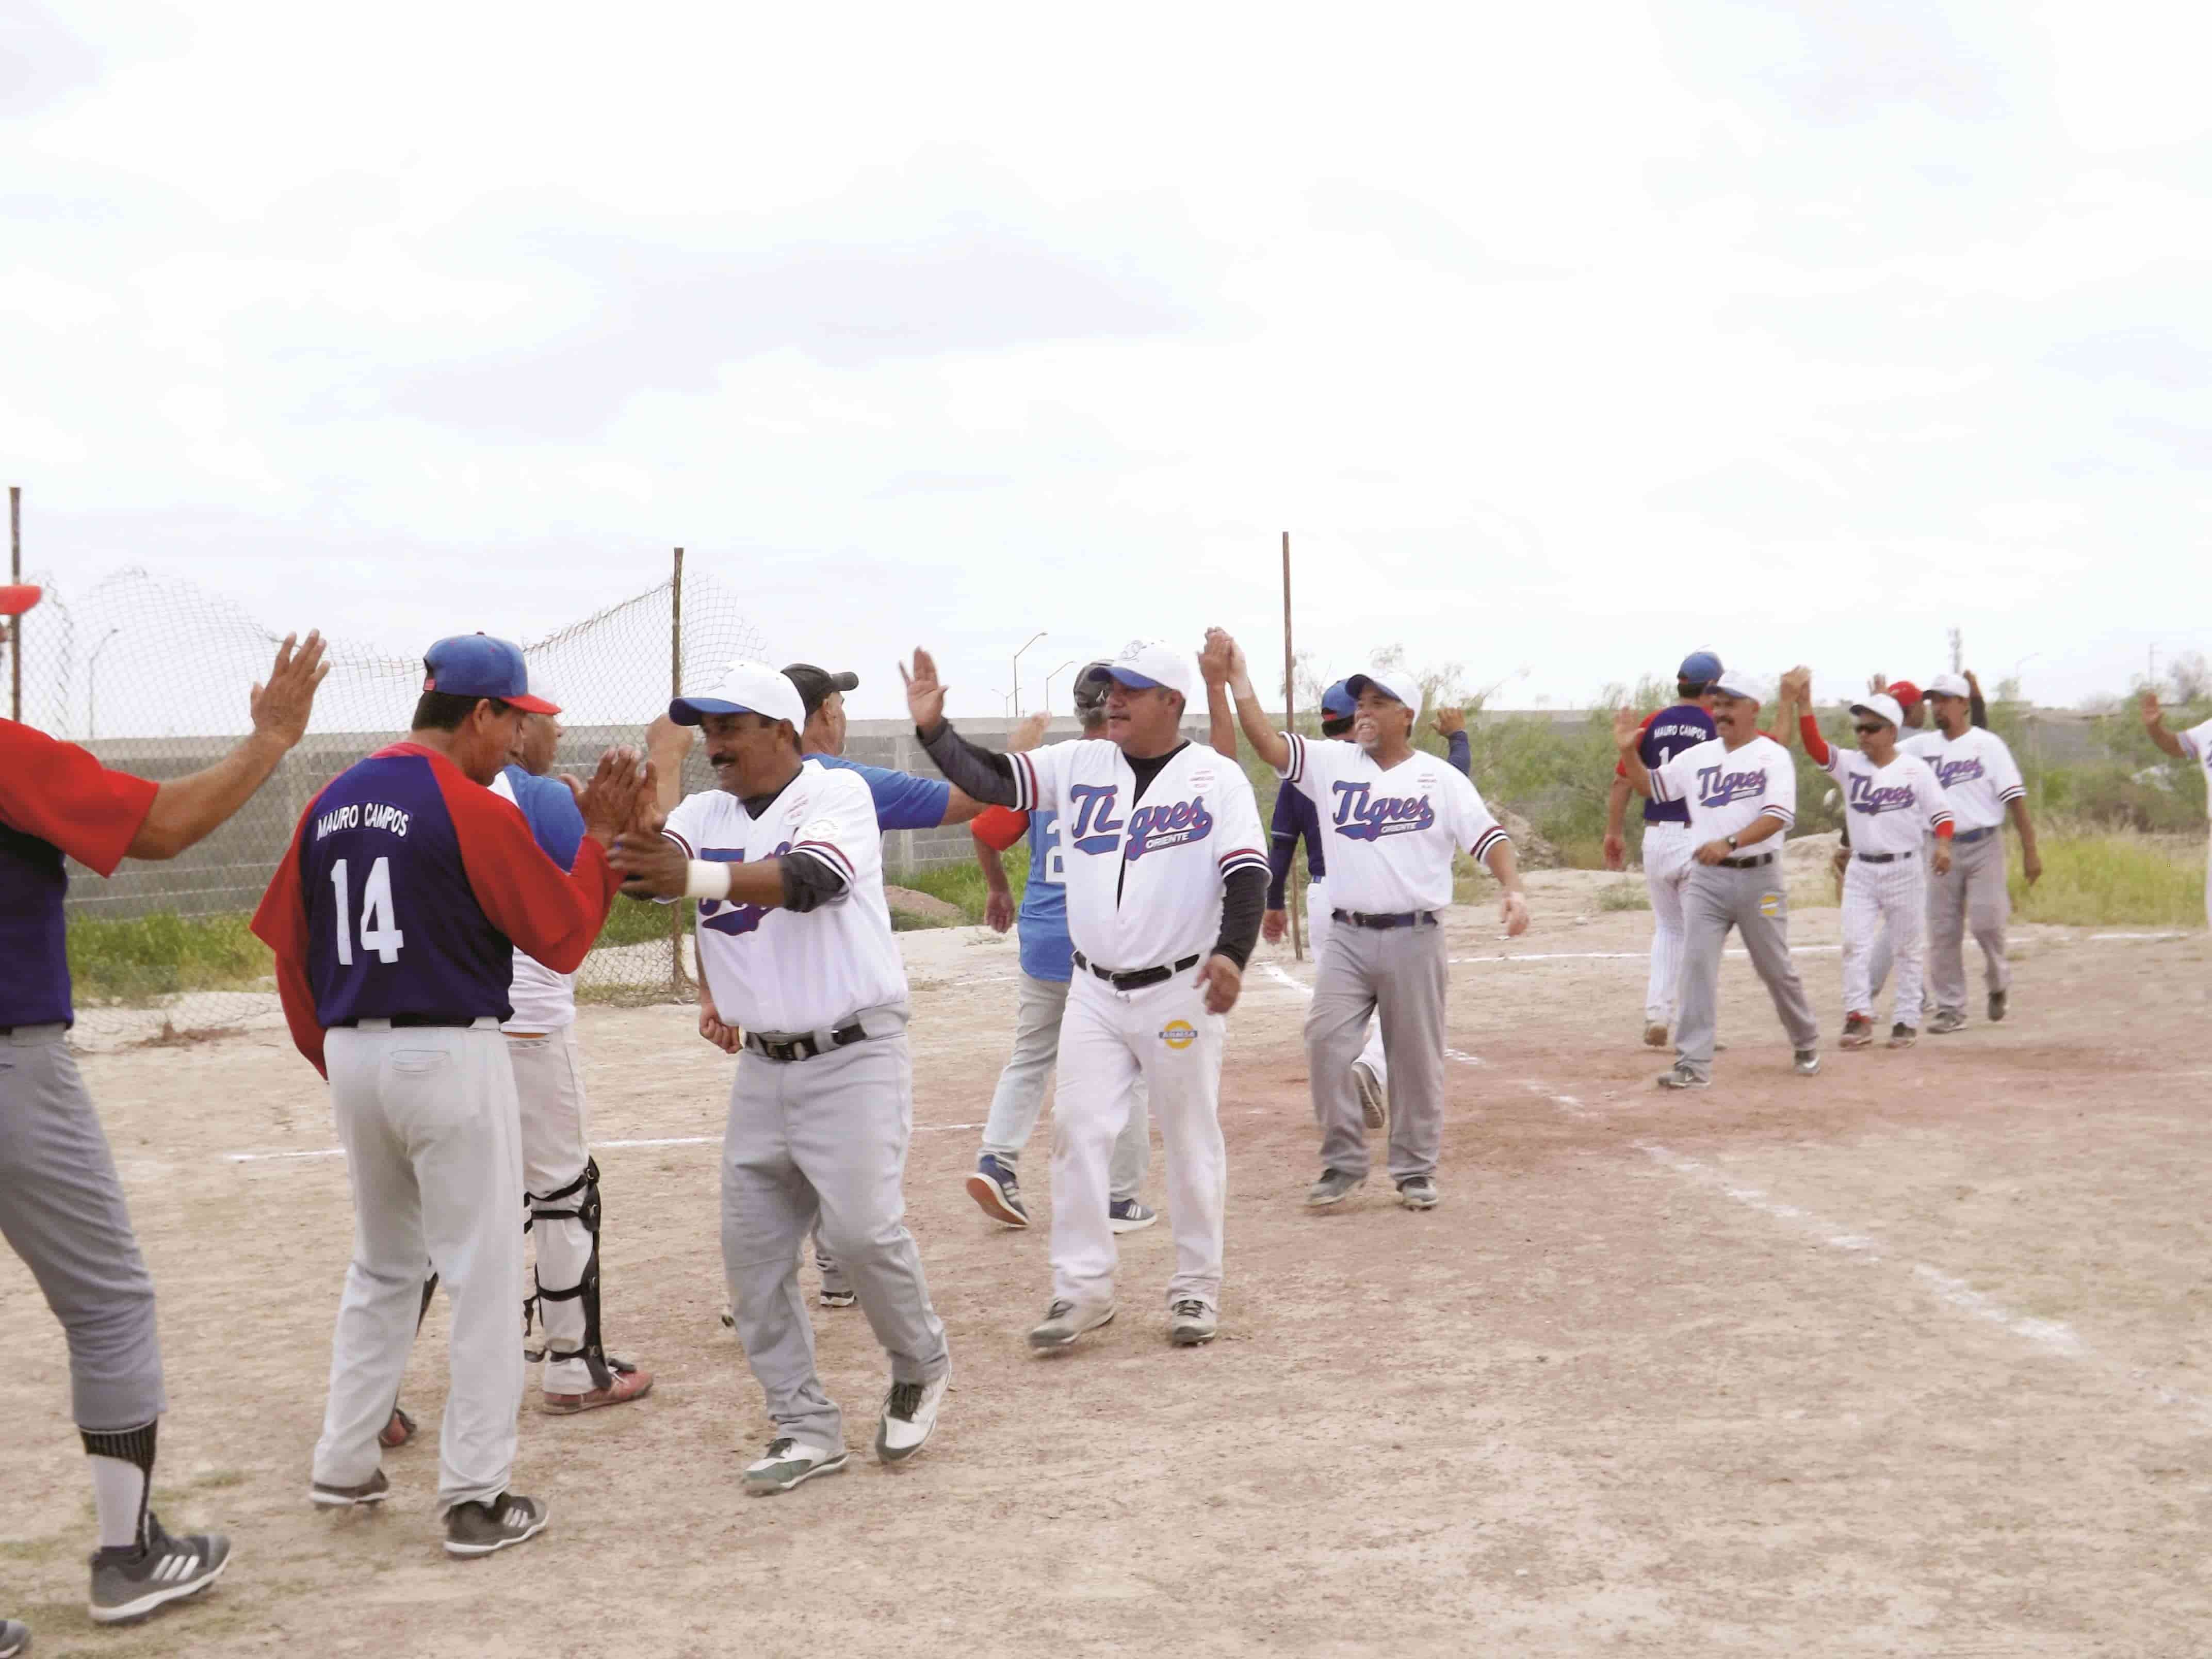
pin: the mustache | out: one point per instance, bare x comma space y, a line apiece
720, 758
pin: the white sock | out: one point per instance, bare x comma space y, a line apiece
119, 1493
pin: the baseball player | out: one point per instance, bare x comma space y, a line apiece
1296, 818
1395, 818
61, 1204
1165, 884
795, 944
2195, 745
1892, 797
1982, 784
1915, 707
1048, 967
1665, 733
394, 917
1741, 790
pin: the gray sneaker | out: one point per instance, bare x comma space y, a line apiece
1805, 1060
1064, 1322
1191, 1323
837, 1296
374, 1489
1374, 1103
1334, 1187
1946, 1021
788, 1463
1679, 1076
1418, 1192
15, 1637
129, 1583
1997, 1000
480, 1528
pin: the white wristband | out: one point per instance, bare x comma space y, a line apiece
706, 879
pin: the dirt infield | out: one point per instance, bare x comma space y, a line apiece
1909, 1358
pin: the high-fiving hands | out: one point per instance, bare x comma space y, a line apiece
925, 696
282, 704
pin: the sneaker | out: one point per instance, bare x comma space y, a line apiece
1418, 1192
836, 1296
397, 1431
129, 1583
1191, 1323
1374, 1103
1127, 1215
1902, 1036
1998, 999
374, 1489
729, 1317
480, 1528
1805, 1060
1858, 1032
1654, 1035
624, 1383
1064, 1322
996, 1192
1679, 1076
788, 1463
1334, 1187
1946, 1021
910, 1415
15, 1637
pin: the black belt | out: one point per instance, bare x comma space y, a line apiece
1136, 978
1961, 837
806, 1047
1881, 858
410, 1022
1751, 863
1397, 919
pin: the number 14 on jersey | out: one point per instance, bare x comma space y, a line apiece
380, 929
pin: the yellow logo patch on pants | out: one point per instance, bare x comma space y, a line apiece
1178, 1034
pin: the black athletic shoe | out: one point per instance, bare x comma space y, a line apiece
374, 1489
1418, 1193
129, 1583
15, 1637
1996, 1006
480, 1528
1902, 1036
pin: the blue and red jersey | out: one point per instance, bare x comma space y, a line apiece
55, 799
1667, 732
407, 889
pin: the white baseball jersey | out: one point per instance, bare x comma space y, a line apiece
776, 971
1889, 807
1727, 790
1977, 771
1390, 832
2197, 743
544, 1000
1144, 876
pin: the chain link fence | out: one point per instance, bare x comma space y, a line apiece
152, 674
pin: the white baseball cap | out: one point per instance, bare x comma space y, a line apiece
1394, 682
1735, 682
1882, 707
746, 688
1144, 663
1949, 685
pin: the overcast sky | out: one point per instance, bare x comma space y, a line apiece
1562, 339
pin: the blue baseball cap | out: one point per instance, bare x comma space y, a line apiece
477, 666
1337, 704
1699, 668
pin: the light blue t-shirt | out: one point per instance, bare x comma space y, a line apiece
903, 801
1047, 951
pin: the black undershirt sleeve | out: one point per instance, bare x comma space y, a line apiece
968, 767
808, 883
1243, 897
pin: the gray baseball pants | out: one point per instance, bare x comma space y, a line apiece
824, 1137
1972, 897
1756, 901
1398, 973
433, 1140
61, 1211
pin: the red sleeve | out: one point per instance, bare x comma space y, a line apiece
1621, 766
551, 914
1815, 745
998, 827
62, 793
281, 924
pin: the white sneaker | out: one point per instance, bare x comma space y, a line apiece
910, 1415
788, 1463
1374, 1104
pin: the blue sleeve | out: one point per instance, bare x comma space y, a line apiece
904, 801
1282, 846
552, 813
1461, 753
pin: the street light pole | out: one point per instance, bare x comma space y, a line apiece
1033, 639
1050, 678
92, 689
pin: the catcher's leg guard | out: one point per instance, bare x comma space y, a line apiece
582, 1205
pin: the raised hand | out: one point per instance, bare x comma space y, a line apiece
925, 697
609, 801
1877, 682
1627, 728
1798, 684
1217, 657
2153, 717
1026, 735
1448, 720
1222, 981
281, 706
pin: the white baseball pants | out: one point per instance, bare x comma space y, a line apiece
1892, 897
548, 1081
1319, 924
1666, 860
1108, 1040
433, 1145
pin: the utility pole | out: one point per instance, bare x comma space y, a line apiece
1957, 651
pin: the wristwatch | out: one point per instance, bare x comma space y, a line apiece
1731, 843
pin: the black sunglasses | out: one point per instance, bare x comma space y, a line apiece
1866, 728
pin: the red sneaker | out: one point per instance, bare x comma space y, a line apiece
623, 1387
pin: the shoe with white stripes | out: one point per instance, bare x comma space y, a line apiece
788, 1463
129, 1583
480, 1528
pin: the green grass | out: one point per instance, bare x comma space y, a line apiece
962, 884
2110, 877
1626, 894
147, 956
